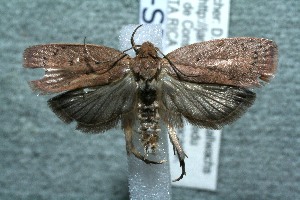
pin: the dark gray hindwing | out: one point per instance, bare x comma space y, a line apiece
96, 109
205, 105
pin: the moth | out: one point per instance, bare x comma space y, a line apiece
207, 83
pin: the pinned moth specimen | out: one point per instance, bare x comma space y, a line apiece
206, 83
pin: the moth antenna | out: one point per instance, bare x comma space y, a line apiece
110, 60
99, 62
132, 40
176, 70
113, 64
128, 49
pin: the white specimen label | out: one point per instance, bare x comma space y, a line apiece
186, 22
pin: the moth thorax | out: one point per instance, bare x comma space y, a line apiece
149, 126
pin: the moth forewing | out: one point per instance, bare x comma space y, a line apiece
70, 66
238, 61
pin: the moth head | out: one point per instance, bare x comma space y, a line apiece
147, 50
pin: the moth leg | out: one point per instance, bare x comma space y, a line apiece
180, 153
131, 149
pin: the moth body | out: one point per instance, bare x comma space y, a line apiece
146, 70
149, 126
146, 65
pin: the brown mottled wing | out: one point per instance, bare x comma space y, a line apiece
69, 67
96, 109
232, 61
204, 105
